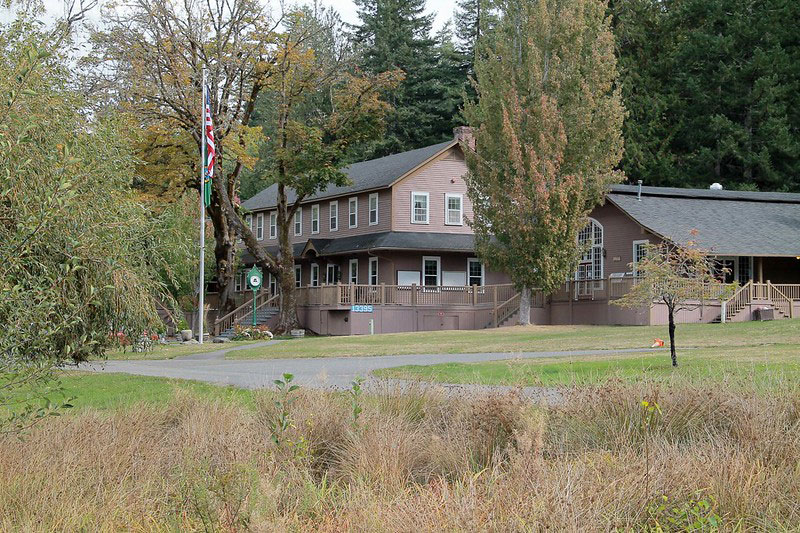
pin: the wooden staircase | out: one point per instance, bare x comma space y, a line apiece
266, 308
504, 313
747, 293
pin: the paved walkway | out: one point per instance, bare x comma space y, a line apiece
321, 372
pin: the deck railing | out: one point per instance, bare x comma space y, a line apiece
407, 295
781, 301
263, 299
791, 291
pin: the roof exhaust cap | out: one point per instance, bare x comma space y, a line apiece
639, 192
716, 187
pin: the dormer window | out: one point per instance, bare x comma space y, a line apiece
260, 226
273, 225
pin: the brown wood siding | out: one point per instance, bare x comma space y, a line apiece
390, 262
384, 218
443, 175
619, 232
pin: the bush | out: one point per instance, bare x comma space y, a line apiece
251, 333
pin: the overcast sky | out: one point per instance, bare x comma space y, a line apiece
442, 8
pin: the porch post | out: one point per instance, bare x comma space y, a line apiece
494, 305
413, 294
352, 294
474, 295
761, 270
383, 294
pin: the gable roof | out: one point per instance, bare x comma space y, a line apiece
364, 176
726, 222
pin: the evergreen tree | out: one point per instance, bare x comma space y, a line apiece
712, 90
396, 34
451, 72
474, 18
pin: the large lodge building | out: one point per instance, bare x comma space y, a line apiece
392, 252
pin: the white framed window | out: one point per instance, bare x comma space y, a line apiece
591, 239
419, 207
260, 226
298, 276
639, 251
333, 209
273, 285
315, 218
453, 209
332, 274
239, 282
298, 222
373, 270
373, 209
314, 275
249, 221
353, 274
431, 271
475, 272
352, 204
273, 225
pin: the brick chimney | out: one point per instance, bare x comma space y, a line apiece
464, 134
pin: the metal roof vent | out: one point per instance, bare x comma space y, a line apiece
716, 187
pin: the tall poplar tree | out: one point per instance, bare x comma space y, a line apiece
547, 122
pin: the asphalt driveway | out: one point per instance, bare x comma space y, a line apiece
322, 372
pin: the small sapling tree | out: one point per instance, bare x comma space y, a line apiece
678, 276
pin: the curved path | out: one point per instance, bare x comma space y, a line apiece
319, 372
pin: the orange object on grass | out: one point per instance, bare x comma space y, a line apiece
657, 343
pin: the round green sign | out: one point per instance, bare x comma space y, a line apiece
254, 278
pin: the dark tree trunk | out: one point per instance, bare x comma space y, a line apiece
287, 319
225, 256
672, 337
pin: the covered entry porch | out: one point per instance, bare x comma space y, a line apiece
362, 309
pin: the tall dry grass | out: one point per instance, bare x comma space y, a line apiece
421, 460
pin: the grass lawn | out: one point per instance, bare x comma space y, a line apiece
171, 351
757, 365
531, 338
115, 391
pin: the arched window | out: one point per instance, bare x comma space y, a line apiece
591, 263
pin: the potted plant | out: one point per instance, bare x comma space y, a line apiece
185, 334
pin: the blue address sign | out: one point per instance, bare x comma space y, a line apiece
361, 309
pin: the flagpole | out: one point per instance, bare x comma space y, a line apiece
202, 287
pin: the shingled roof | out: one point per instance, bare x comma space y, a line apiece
385, 240
725, 222
364, 176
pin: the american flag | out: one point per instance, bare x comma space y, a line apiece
211, 153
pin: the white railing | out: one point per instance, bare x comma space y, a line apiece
407, 295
